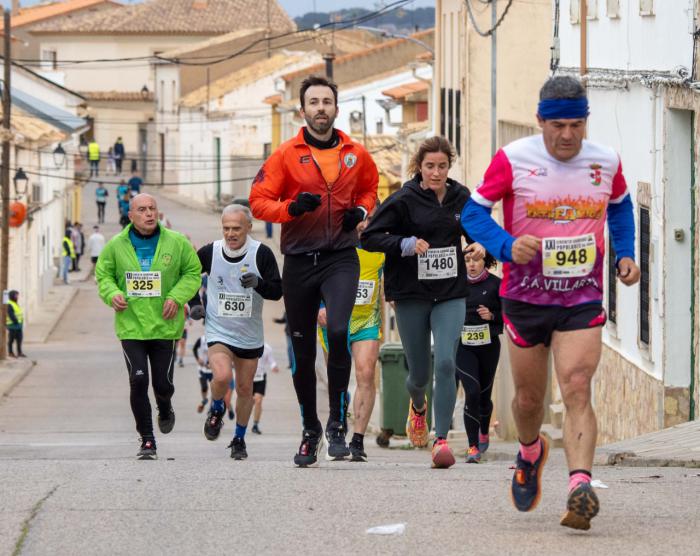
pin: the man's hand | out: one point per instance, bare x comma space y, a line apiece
352, 217
321, 319
250, 280
119, 303
197, 312
484, 313
305, 202
170, 309
628, 271
525, 248
422, 247
475, 251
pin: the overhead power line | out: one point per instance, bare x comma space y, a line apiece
498, 22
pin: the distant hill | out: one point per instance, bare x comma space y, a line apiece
401, 20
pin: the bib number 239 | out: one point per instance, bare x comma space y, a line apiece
143, 284
438, 264
235, 305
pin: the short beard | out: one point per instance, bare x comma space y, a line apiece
320, 128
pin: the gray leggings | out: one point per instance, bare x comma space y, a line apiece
416, 319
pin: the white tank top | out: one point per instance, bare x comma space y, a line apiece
234, 313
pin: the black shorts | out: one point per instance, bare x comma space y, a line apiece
242, 353
529, 325
259, 386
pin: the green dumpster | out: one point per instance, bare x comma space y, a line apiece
394, 395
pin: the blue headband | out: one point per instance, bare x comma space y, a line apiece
563, 108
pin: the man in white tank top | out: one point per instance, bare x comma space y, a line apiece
242, 273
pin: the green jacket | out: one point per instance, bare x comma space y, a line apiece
181, 277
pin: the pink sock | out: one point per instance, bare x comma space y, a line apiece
578, 478
532, 452
483, 438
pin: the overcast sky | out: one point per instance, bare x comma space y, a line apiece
296, 7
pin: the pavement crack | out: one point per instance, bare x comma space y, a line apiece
27, 523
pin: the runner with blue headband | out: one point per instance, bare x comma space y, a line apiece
558, 190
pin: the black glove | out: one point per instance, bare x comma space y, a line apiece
250, 280
352, 218
305, 202
197, 312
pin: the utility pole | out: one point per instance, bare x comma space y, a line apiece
494, 79
5, 179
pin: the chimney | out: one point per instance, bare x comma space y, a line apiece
15, 7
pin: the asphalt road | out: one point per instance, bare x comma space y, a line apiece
70, 484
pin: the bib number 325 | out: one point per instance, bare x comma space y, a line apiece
438, 264
143, 284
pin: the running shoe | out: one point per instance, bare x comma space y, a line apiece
483, 442
311, 443
201, 406
417, 426
526, 488
180, 363
213, 424
166, 424
148, 449
336, 449
581, 507
238, 451
357, 452
473, 455
442, 455
255, 429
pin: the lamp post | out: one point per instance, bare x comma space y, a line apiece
21, 180
59, 156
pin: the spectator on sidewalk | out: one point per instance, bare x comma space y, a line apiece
123, 197
68, 254
14, 323
94, 158
101, 195
111, 162
135, 183
95, 244
119, 154
78, 239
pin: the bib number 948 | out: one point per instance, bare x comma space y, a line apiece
568, 257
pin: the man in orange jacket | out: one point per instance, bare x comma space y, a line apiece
320, 185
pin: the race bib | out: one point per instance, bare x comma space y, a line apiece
568, 257
142, 284
235, 304
365, 292
438, 264
477, 335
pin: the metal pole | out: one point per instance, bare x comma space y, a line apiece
329, 64
584, 21
494, 80
5, 179
364, 121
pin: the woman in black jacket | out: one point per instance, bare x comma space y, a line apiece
418, 228
479, 351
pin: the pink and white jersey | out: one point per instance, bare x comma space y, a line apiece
562, 203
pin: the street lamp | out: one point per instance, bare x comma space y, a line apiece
20, 180
59, 156
144, 92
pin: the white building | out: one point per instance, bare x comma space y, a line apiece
640, 60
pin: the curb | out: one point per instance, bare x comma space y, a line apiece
631, 459
12, 372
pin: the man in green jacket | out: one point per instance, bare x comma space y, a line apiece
147, 273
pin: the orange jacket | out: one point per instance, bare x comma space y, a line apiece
291, 170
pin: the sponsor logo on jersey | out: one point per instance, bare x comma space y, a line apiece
350, 160
305, 159
537, 172
596, 174
567, 209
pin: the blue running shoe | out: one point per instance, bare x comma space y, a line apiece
526, 488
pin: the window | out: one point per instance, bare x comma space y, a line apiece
613, 9
451, 117
49, 59
458, 121
612, 284
574, 12
645, 267
510, 131
646, 7
443, 108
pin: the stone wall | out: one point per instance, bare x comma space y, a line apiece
628, 402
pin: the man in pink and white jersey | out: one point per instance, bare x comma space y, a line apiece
557, 190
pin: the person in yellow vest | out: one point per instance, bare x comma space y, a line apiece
94, 158
67, 255
14, 323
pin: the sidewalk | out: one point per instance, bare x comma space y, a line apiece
678, 446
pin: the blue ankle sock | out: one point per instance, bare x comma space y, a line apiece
218, 405
240, 430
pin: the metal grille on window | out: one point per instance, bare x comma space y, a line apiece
450, 115
443, 109
644, 266
612, 284
458, 121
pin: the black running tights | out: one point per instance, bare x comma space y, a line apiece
161, 355
476, 369
307, 279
